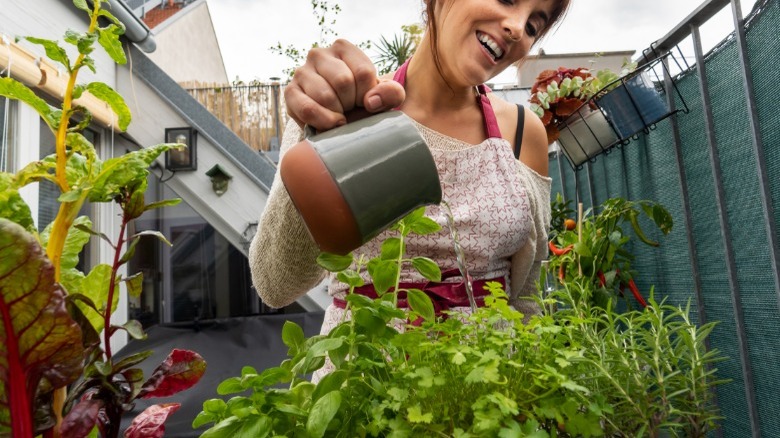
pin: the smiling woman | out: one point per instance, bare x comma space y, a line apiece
491, 158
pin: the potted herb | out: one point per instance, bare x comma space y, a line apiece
487, 374
54, 317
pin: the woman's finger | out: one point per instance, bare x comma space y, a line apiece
336, 74
360, 65
306, 111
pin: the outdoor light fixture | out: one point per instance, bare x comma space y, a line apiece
186, 158
219, 179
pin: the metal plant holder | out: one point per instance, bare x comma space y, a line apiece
623, 109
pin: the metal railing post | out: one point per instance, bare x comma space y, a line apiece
731, 266
758, 147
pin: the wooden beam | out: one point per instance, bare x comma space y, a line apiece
40, 74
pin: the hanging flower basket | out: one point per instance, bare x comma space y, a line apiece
586, 134
635, 104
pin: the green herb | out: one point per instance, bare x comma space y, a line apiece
584, 370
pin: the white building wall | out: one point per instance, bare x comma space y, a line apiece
187, 47
231, 213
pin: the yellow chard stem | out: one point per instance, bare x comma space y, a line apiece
68, 210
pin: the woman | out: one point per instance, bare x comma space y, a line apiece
500, 204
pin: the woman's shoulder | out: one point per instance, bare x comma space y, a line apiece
533, 151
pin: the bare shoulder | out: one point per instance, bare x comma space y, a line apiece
533, 152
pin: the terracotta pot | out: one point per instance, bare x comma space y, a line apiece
352, 182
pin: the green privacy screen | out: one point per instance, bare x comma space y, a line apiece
647, 169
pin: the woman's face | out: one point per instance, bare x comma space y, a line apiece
478, 39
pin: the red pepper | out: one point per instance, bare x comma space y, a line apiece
561, 273
602, 279
635, 291
559, 251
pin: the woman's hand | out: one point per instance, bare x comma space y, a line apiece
337, 84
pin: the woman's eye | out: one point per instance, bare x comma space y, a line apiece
530, 30
507, 2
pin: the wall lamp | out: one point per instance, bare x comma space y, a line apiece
182, 159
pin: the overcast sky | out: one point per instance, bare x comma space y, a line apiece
247, 28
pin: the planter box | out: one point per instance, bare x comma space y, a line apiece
586, 134
634, 105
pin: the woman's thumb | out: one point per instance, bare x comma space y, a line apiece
385, 95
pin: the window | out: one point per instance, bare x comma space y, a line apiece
202, 275
7, 140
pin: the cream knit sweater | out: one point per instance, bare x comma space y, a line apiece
283, 255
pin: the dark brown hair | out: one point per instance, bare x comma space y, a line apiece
429, 18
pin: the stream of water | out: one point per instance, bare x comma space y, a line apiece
459, 255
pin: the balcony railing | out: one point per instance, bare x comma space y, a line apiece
717, 169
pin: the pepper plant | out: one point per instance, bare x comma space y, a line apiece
51, 314
600, 254
583, 371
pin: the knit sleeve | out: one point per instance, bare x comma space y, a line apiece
526, 263
282, 256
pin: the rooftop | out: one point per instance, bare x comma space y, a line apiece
156, 16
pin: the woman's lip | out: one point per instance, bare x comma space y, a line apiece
501, 43
486, 52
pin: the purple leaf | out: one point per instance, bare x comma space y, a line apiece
181, 370
151, 422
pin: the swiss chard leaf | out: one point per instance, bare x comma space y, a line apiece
119, 173
108, 37
95, 287
12, 206
179, 371
53, 51
151, 422
82, 418
40, 341
113, 99
14, 89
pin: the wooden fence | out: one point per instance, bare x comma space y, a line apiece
254, 112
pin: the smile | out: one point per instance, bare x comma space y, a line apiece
490, 45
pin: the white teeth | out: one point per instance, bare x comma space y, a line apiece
491, 45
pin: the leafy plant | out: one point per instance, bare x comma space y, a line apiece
557, 94
392, 54
599, 255
560, 211
52, 314
582, 371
